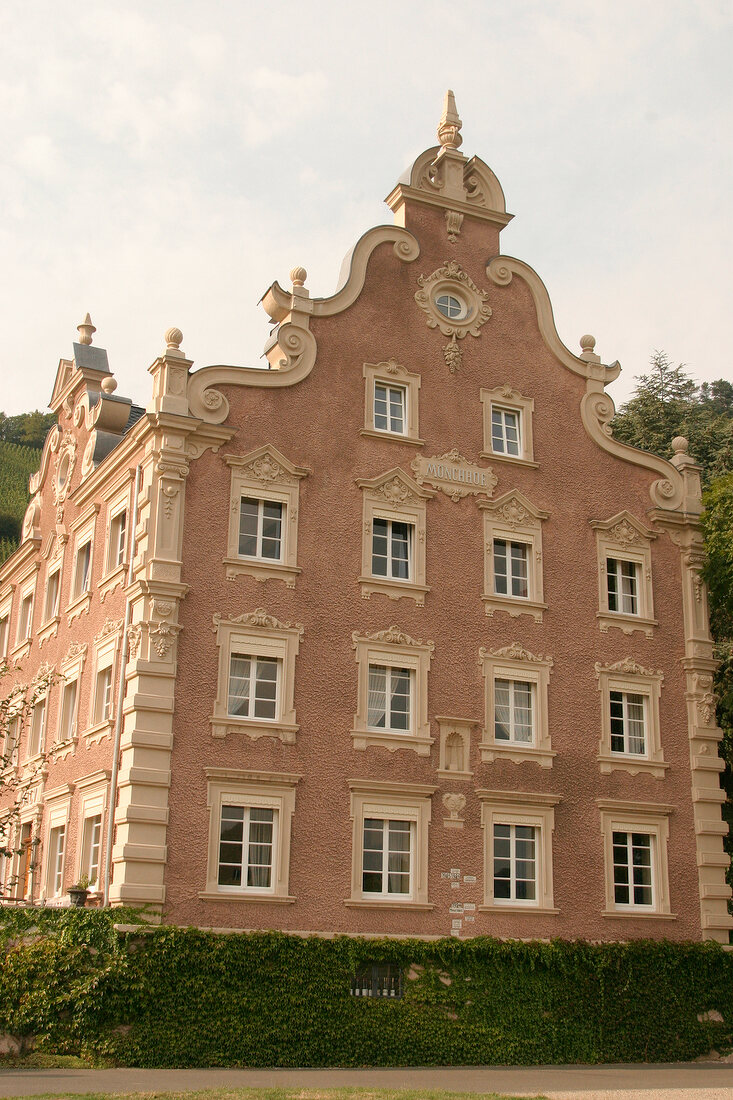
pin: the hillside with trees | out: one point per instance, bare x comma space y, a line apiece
21, 440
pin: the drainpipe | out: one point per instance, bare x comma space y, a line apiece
124, 649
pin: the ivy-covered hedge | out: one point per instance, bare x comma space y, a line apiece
180, 997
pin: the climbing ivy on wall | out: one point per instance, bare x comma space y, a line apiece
171, 996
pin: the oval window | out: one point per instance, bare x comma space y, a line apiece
63, 471
450, 306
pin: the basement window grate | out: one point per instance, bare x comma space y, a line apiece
377, 980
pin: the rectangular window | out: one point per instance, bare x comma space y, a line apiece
253, 686
10, 744
510, 568
377, 980
391, 549
246, 845
390, 408
82, 569
632, 869
52, 595
623, 586
261, 529
390, 692
90, 847
103, 696
67, 722
56, 845
387, 856
117, 541
627, 723
505, 431
4, 622
26, 862
38, 728
513, 711
25, 618
515, 863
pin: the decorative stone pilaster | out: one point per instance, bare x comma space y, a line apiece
699, 666
141, 814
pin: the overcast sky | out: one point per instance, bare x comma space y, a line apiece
162, 163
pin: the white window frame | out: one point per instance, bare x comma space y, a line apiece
24, 624
6, 610
515, 663
394, 395
55, 860
623, 538
51, 614
257, 634
386, 830
82, 575
630, 678
520, 808
265, 474
396, 498
393, 648
262, 503
391, 674
10, 743
37, 727
71, 667
254, 681
53, 554
513, 880
394, 375
506, 399
117, 538
652, 820
29, 817
270, 790
57, 803
391, 559
391, 802
80, 596
512, 518
105, 657
92, 789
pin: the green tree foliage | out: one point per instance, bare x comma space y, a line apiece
26, 429
17, 463
667, 403
717, 524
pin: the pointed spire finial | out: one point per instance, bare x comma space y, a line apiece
449, 127
85, 330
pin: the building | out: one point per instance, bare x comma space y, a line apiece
391, 638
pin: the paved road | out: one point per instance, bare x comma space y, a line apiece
683, 1081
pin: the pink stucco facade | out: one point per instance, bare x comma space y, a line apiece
457, 779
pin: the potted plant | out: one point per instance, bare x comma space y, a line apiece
79, 891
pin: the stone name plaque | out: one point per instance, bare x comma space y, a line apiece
454, 475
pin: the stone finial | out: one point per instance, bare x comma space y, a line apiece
85, 330
449, 127
173, 339
298, 276
680, 445
109, 384
587, 346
